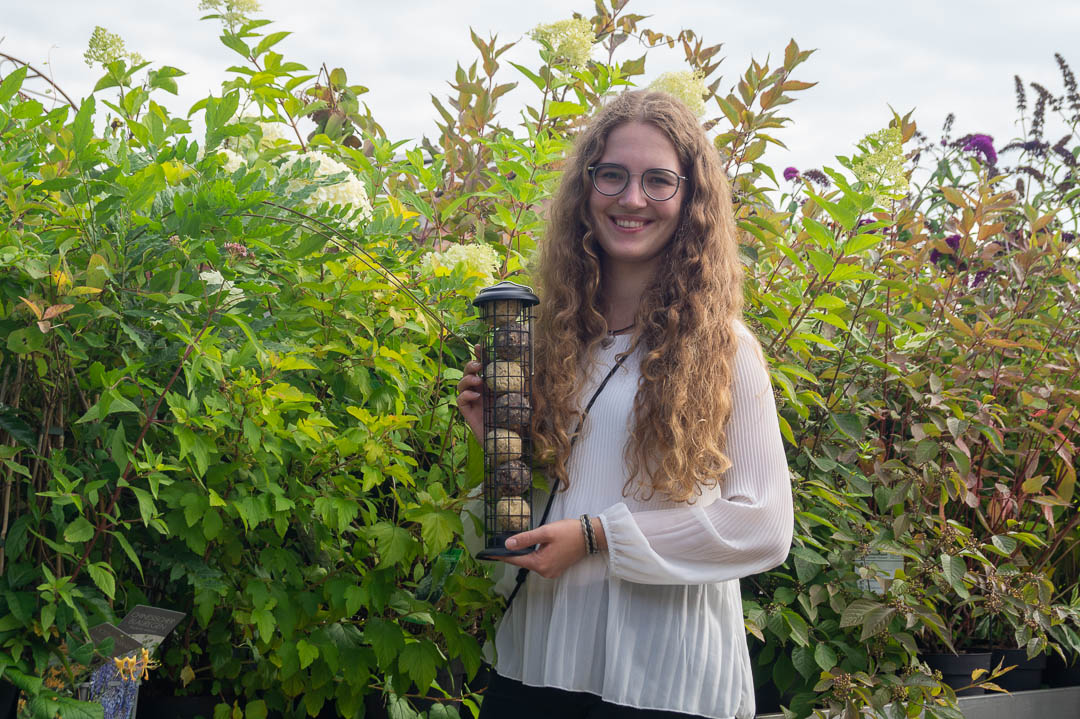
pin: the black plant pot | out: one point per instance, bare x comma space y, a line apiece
1025, 674
188, 707
956, 669
9, 700
1059, 673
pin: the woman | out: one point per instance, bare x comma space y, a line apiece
677, 478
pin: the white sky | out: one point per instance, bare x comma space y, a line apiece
935, 57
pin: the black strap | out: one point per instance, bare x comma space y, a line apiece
523, 572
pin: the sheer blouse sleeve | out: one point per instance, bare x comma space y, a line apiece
746, 530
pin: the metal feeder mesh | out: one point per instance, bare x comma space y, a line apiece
506, 354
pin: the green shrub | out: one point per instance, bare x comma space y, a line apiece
228, 374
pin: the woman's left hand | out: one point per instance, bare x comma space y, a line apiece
561, 545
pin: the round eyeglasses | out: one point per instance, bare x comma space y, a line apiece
658, 184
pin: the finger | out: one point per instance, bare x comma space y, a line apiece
469, 380
527, 539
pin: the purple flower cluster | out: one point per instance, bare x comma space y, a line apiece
113, 691
953, 241
790, 173
982, 145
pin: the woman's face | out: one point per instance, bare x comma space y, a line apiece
631, 228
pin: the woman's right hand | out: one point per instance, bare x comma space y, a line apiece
469, 400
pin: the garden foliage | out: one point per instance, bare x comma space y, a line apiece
229, 359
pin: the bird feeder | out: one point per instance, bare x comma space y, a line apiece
506, 354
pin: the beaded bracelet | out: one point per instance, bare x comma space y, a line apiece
590, 535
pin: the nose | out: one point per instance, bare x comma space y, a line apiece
633, 196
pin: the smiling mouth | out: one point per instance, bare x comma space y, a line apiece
628, 224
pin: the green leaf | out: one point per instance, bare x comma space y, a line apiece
954, 569
563, 109
71, 708
861, 243
419, 660
82, 129
438, 528
1005, 544
849, 424
875, 621
533, 77
255, 709
855, 612
273, 39
803, 659
926, 450
800, 632
26, 340
824, 657
19, 430
385, 639
307, 652
103, 578
822, 262
393, 543
79, 531
13, 82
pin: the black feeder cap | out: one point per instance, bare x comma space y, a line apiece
506, 290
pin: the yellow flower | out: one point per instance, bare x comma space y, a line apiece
686, 86
62, 280
570, 40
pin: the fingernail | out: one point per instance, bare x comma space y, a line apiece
511, 543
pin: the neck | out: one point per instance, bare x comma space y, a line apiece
622, 286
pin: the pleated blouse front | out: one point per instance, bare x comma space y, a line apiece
656, 622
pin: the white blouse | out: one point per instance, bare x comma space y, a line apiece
657, 621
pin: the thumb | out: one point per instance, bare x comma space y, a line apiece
525, 539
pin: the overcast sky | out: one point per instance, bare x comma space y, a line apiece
934, 57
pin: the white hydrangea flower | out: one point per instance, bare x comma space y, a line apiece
686, 86
216, 283
349, 192
881, 164
479, 261
571, 40
272, 133
233, 160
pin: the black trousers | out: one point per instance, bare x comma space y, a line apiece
510, 699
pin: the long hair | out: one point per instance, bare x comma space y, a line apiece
685, 323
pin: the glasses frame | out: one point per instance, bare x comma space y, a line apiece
679, 179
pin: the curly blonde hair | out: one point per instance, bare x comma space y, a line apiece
685, 324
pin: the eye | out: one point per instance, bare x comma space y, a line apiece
661, 178
610, 172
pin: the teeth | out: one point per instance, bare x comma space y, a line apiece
630, 224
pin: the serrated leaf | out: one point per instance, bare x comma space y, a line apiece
386, 640
393, 543
419, 660
103, 577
